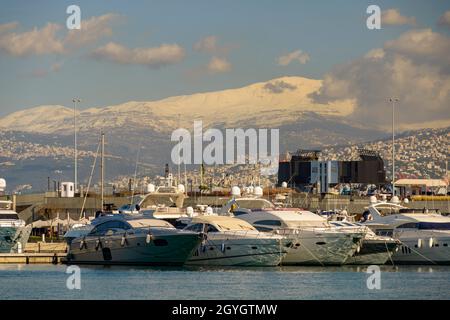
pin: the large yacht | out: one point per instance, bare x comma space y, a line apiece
315, 241
425, 234
133, 240
234, 242
14, 233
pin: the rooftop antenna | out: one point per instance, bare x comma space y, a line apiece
393, 101
75, 150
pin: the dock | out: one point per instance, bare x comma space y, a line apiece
37, 253
31, 258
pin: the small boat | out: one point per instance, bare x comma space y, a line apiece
14, 233
133, 240
233, 242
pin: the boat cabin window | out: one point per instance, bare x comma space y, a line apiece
239, 212
211, 228
384, 232
434, 225
269, 222
411, 225
103, 228
9, 216
197, 227
263, 229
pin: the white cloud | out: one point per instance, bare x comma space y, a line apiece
394, 17
91, 30
413, 67
8, 26
37, 41
218, 65
165, 54
298, 55
377, 53
444, 20
207, 44
45, 40
422, 44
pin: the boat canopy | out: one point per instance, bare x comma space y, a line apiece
146, 223
223, 223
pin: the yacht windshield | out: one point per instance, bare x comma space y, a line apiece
9, 216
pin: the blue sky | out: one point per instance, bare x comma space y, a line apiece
250, 37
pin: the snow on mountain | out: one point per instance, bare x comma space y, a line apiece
269, 104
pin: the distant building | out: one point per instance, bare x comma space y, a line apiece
304, 168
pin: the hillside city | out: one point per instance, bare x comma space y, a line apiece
419, 154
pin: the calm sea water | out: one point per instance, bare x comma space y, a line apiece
49, 282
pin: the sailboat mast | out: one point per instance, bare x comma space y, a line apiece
102, 173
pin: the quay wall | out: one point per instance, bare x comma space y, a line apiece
36, 207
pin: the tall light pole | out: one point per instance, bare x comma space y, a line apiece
393, 101
75, 150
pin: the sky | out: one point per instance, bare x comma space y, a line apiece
148, 50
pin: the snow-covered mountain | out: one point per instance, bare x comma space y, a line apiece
266, 104
38, 143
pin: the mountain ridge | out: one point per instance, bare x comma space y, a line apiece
269, 103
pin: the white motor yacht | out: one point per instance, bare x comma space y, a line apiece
133, 240
233, 242
424, 233
315, 241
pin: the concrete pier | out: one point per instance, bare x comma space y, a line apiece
31, 258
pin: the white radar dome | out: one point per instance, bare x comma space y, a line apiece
235, 191
150, 188
258, 191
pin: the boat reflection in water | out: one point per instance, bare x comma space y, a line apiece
133, 240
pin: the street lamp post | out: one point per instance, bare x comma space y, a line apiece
393, 101
75, 150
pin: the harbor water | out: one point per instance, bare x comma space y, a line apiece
120, 282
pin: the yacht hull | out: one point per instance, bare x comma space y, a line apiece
373, 252
321, 248
224, 251
169, 249
411, 253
